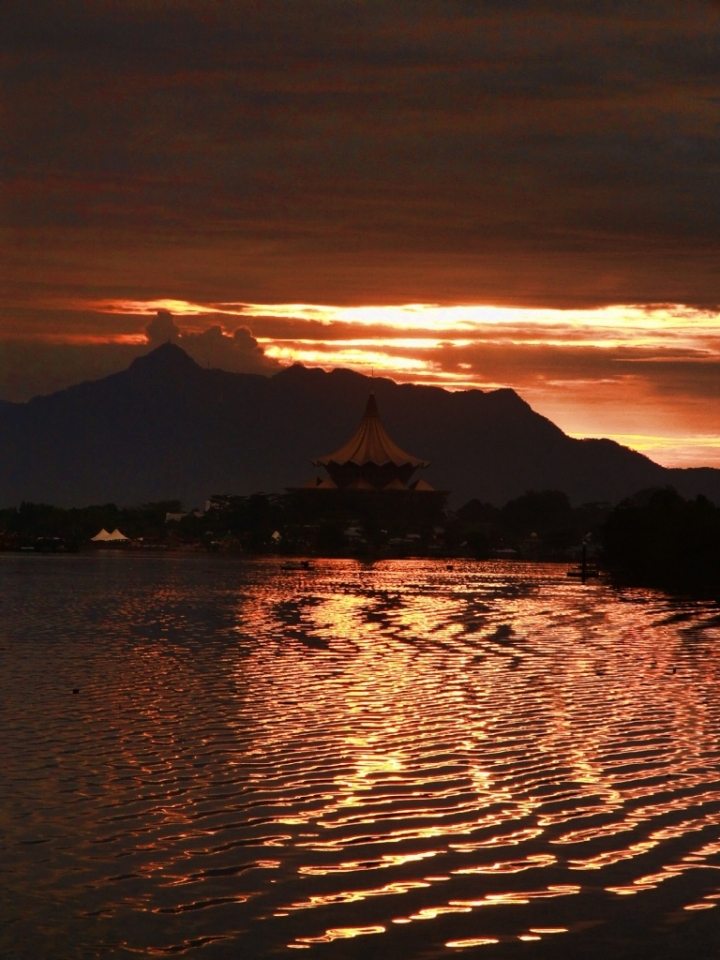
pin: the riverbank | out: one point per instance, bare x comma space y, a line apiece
658, 539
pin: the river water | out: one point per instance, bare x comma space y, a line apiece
392, 761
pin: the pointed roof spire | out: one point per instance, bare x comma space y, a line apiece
371, 408
371, 444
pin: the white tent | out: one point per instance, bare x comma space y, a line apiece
105, 537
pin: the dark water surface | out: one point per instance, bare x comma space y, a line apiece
393, 761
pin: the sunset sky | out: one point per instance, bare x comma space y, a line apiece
465, 194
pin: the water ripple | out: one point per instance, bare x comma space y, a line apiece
387, 761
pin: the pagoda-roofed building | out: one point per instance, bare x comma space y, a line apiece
370, 460
369, 485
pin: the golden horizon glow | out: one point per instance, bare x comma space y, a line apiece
657, 325
352, 357
595, 372
673, 451
83, 339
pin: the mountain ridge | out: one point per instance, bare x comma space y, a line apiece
166, 427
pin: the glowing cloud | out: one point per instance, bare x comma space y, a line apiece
639, 373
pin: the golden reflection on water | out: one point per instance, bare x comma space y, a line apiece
264, 760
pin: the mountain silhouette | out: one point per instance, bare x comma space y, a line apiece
167, 428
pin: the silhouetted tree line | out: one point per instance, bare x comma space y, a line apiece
655, 538
538, 525
70, 528
332, 523
659, 539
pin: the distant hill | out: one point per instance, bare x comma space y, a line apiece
166, 427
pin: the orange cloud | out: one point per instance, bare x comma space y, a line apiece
646, 375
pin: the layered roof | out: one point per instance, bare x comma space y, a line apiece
371, 444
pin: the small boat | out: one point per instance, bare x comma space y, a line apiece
296, 565
586, 572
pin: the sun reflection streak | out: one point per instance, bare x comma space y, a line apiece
357, 750
341, 933
471, 942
